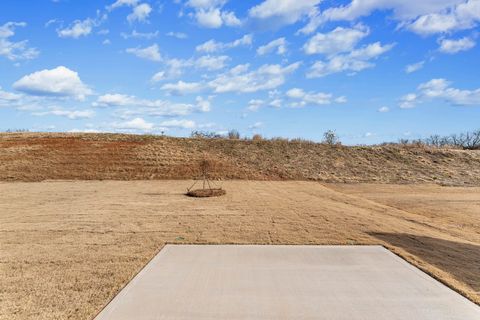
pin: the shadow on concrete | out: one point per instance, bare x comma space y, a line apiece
461, 260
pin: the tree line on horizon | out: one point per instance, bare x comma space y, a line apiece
469, 140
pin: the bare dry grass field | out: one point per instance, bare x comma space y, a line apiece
67, 247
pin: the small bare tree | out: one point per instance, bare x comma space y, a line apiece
471, 140
434, 140
207, 168
330, 138
233, 134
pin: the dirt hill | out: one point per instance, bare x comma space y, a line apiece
39, 156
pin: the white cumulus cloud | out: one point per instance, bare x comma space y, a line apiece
121, 3
70, 114
452, 46
211, 62
278, 45
181, 88
202, 104
135, 124
140, 13
214, 46
175, 67
79, 28
139, 35
336, 41
408, 101
6, 96
241, 79
115, 100
209, 14
178, 123
441, 89
136, 106
209, 18
255, 104
149, 53
354, 61
59, 81
383, 109
422, 17
459, 16
414, 67
15, 50
277, 13
178, 35
299, 98
230, 19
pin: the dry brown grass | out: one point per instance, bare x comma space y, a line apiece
66, 248
37, 157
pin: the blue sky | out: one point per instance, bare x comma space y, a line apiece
372, 70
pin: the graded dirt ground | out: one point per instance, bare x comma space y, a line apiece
45, 156
67, 247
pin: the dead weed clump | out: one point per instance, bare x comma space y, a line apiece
204, 193
206, 167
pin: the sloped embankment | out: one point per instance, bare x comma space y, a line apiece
36, 157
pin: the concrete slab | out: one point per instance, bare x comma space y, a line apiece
285, 282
